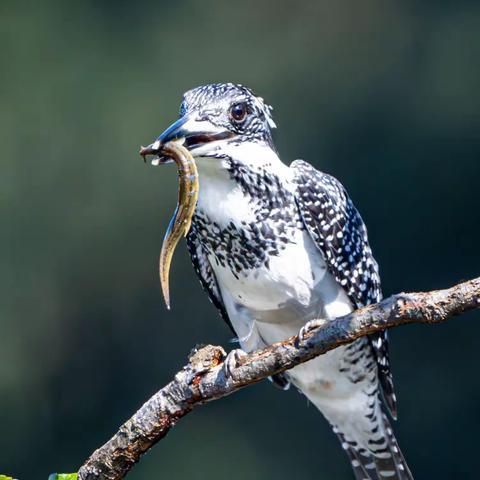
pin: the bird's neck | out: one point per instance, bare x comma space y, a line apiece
242, 183
246, 212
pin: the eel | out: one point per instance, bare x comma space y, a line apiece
181, 221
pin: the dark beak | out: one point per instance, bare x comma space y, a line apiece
173, 132
193, 133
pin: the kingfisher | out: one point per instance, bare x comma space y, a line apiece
279, 249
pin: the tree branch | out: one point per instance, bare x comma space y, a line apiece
204, 379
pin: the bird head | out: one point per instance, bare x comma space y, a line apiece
215, 117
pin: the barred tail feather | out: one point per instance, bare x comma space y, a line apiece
379, 343
383, 460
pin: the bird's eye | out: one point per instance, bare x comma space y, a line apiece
238, 112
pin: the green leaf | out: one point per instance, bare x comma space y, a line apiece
61, 476
4, 477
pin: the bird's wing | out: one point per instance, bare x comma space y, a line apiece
338, 231
205, 273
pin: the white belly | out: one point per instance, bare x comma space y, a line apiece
270, 305
297, 277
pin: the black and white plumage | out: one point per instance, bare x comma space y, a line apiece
338, 230
276, 247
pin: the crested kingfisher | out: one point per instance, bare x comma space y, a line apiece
279, 248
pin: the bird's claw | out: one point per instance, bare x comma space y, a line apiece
231, 361
307, 328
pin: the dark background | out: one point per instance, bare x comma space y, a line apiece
382, 94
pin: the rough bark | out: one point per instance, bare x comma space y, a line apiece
204, 378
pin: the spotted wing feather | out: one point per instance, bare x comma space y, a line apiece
205, 273
338, 230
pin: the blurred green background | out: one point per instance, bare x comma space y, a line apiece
382, 94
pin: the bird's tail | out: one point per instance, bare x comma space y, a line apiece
383, 460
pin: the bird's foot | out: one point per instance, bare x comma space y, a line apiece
231, 361
306, 329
